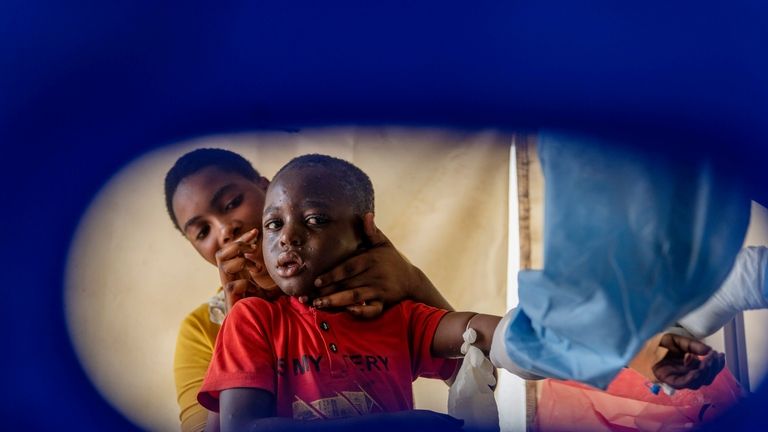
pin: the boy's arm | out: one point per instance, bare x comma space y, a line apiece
448, 338
378, 276
687, 364
241, 409
250, 409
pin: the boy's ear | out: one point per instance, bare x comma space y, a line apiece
263, 183
363, 240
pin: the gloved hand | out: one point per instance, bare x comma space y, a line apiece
471, 397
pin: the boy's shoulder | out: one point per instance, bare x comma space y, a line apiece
409, 311
254, 312
281, 307
257, 304
410, 306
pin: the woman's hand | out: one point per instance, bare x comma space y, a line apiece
241, 270
377, 277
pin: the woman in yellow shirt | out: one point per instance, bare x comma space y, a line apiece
215, 199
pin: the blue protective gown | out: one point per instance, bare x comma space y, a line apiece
632, 242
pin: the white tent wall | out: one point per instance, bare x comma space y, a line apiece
441, 197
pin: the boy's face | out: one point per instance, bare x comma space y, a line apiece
309, 227
214, 207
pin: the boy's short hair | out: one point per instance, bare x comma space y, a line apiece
195, 161
355, 183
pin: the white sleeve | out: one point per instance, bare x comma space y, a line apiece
498, 354
745, 288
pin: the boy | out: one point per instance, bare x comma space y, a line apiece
214, 196
286, 359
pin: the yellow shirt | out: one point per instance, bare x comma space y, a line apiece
194, 349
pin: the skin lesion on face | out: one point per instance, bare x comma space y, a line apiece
309, 227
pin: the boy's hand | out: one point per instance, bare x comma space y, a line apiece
689, 364
239, 268
369, 280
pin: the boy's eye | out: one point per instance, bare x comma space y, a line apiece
272, 224
203, 233
234, 203
316, 220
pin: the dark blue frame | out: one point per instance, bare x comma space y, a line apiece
86, 86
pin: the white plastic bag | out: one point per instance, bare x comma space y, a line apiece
471, 397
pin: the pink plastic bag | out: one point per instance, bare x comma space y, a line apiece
629, 405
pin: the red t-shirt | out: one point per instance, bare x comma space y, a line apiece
322, 364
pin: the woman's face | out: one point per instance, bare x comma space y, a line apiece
214, 207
